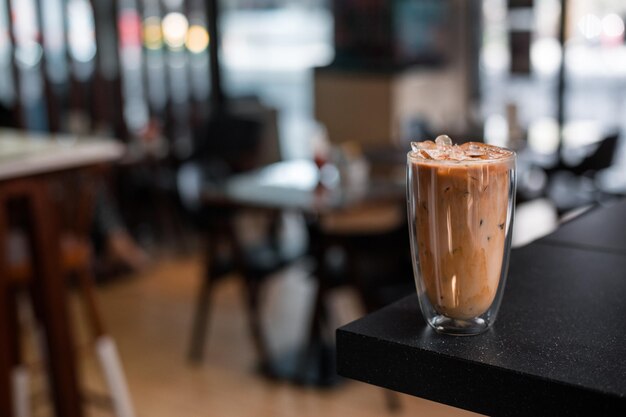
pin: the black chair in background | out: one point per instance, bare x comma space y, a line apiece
365, 248
599, 159
375, 261
226, 146
574, 186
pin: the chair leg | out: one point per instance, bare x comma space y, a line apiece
88, 296
314, 358
200, 321
20, 380
114, 376
35, 326
254, 320
203, 301
106, 350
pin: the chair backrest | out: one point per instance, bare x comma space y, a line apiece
74, 196
601, 158
225, 145
229, 140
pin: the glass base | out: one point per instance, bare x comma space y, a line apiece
458, 327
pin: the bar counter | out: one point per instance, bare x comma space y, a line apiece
557, 347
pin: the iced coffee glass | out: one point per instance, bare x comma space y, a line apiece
460, 206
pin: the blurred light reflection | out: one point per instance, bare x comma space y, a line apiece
496, 130
81, 38
590, 26
612, 25
7, 92
28, 54
543, 135
135, 112
54, 41
545, 56
81, 30
154, 56
197, 39
197, 43
175, 27
152, 34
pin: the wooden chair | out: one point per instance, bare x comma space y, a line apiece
76, 262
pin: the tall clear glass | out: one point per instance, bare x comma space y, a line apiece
460, 219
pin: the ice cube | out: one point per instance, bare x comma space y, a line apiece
443, 140
442, 150
425, 154
474, 151
457, 153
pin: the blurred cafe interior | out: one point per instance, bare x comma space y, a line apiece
194, 194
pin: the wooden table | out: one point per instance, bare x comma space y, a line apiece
26, 160
557, 348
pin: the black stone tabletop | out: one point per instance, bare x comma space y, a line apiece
558, 346
601, 228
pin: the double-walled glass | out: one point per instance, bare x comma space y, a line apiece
461, 220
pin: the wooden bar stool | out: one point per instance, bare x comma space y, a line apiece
76, 262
